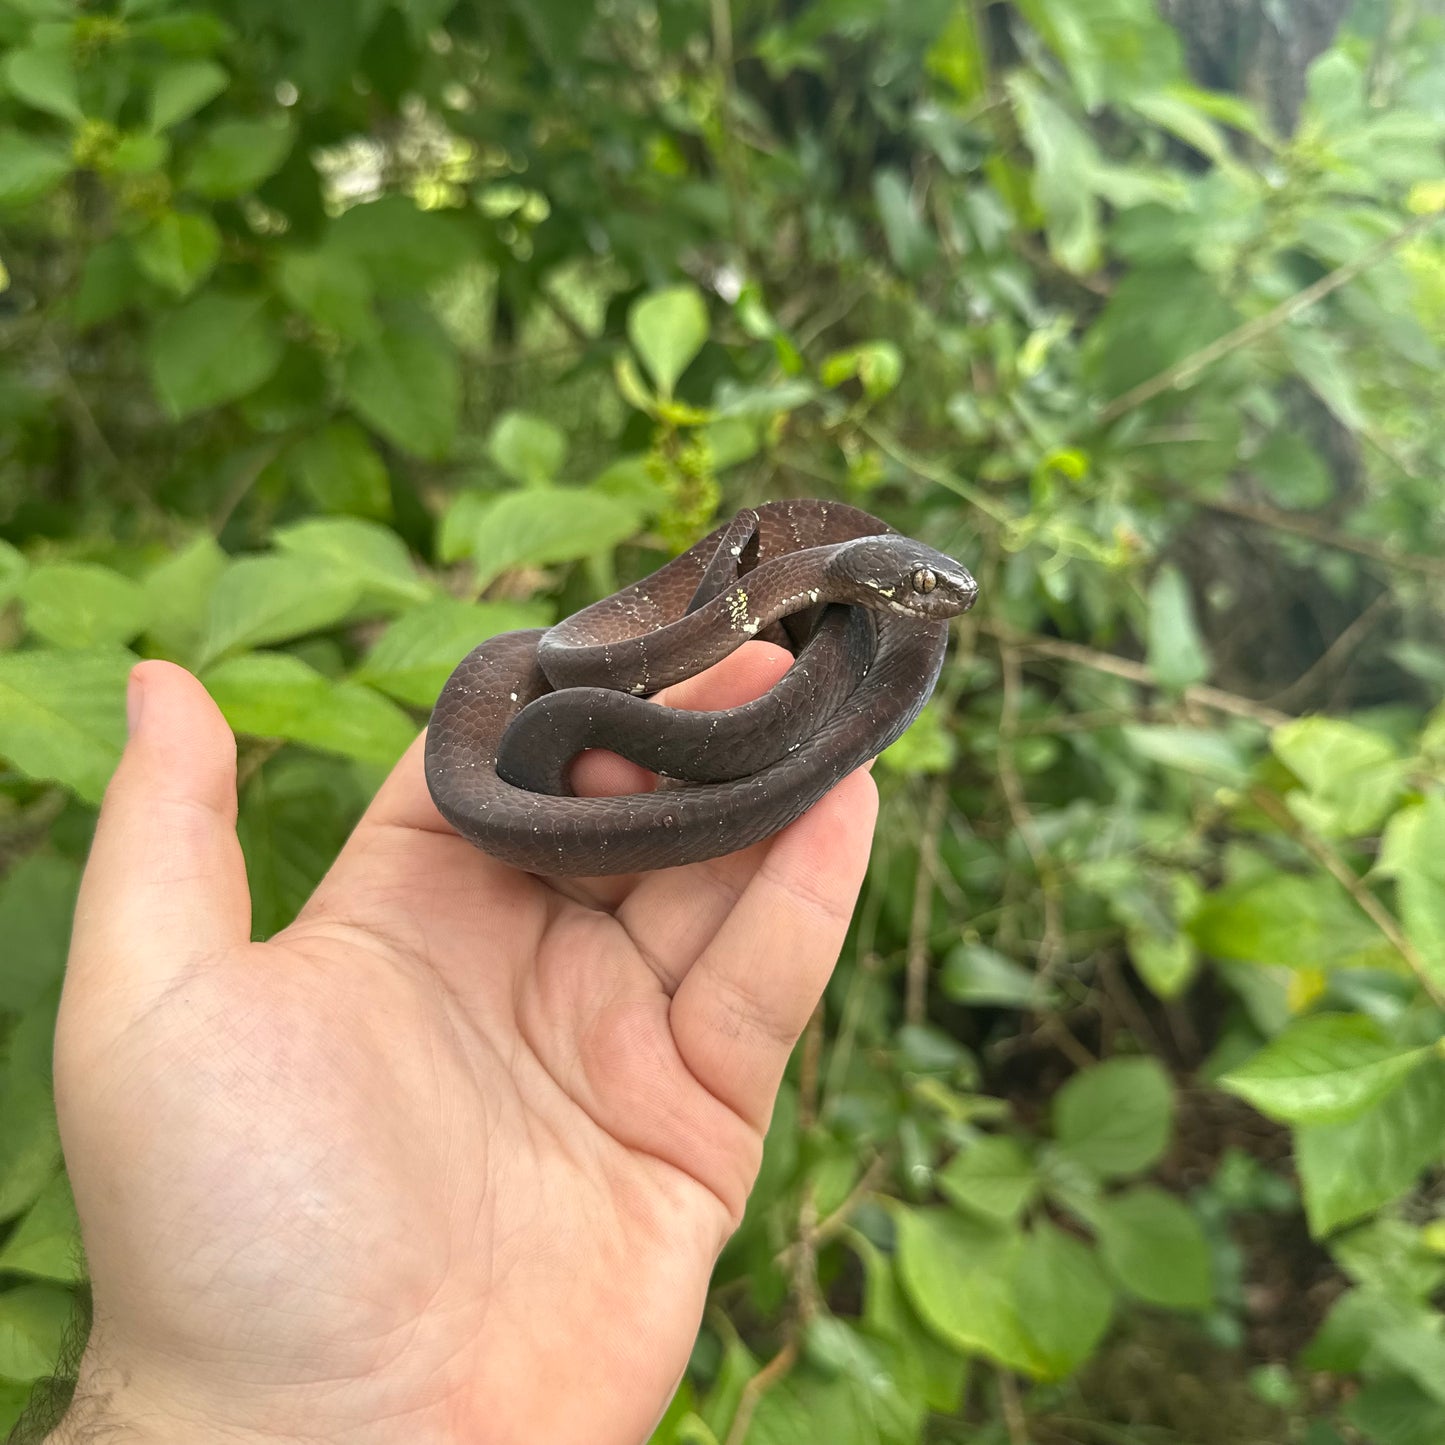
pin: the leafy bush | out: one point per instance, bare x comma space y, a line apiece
337, 337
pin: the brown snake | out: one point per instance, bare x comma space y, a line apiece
864, 609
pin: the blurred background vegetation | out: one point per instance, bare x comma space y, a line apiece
336, 336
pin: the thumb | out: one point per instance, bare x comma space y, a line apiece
166, 882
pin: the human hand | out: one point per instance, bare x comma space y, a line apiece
452, 1156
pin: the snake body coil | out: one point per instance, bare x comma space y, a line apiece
864, 609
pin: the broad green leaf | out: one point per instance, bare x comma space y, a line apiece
546, 525
1292, 472
215, 349
235, 156
959, 1275
1114, 1118
1064, 159
407, 385
1114, 49
1351, 776
46, 1242
973, 973
404, 249
1154, 1247
183, 88
909, 240
348, 546
1176, 652
44, 79
81, 604
272, 695
37, 900
332, 288
1349, 1170
1064, 1300
878, 365
29, 1143
259, 600
1203, 751
179, 250
1153, 903
1414, 855
1417, 1352
62, 715
30, 168
668, 329
992, 1177
1299, 921
529, 449
178, 591
1396, 1411
33, 1320
1324, 1069
417, 653
295, 814
340, 470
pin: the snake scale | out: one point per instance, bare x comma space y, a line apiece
865, 611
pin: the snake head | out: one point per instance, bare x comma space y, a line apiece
901, 575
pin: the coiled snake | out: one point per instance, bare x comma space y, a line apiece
864, 609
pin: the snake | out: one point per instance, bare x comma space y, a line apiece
865, 611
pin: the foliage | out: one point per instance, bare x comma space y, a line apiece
338, 337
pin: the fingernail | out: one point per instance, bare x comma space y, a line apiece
134, 699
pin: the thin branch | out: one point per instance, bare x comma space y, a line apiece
1185, 372
925, 883
775, 1370
887, 443
1350, 881
1315, 531
1213, 698
1341, 648
1015, 1421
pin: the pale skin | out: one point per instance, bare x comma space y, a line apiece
450, 1158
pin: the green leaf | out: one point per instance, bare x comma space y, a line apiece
1114, 1118
1064, 159
530, 450
1351, 776
235, 156
992, 1177
910, 243
1298, 921
37, 901
272, 695
547, 525
973, 973
1154, 1247
959, 1275
1176, 653
1064, 1300
295, 814
178, 251
419, 651
340, 470
404, 250
62, 715
44, 80
33, 1321
1349, 1170
1414, 855
183, 88
29, 1143
332, 288
178, 590
350, 547
81, 604
668, 329
878, 365
1324, 1069
407, 385
46, 1242
30, 168
1397, 1411
215, 349
259, 600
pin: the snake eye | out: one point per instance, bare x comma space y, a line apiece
924, 580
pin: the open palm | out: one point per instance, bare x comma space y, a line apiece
451, 1157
